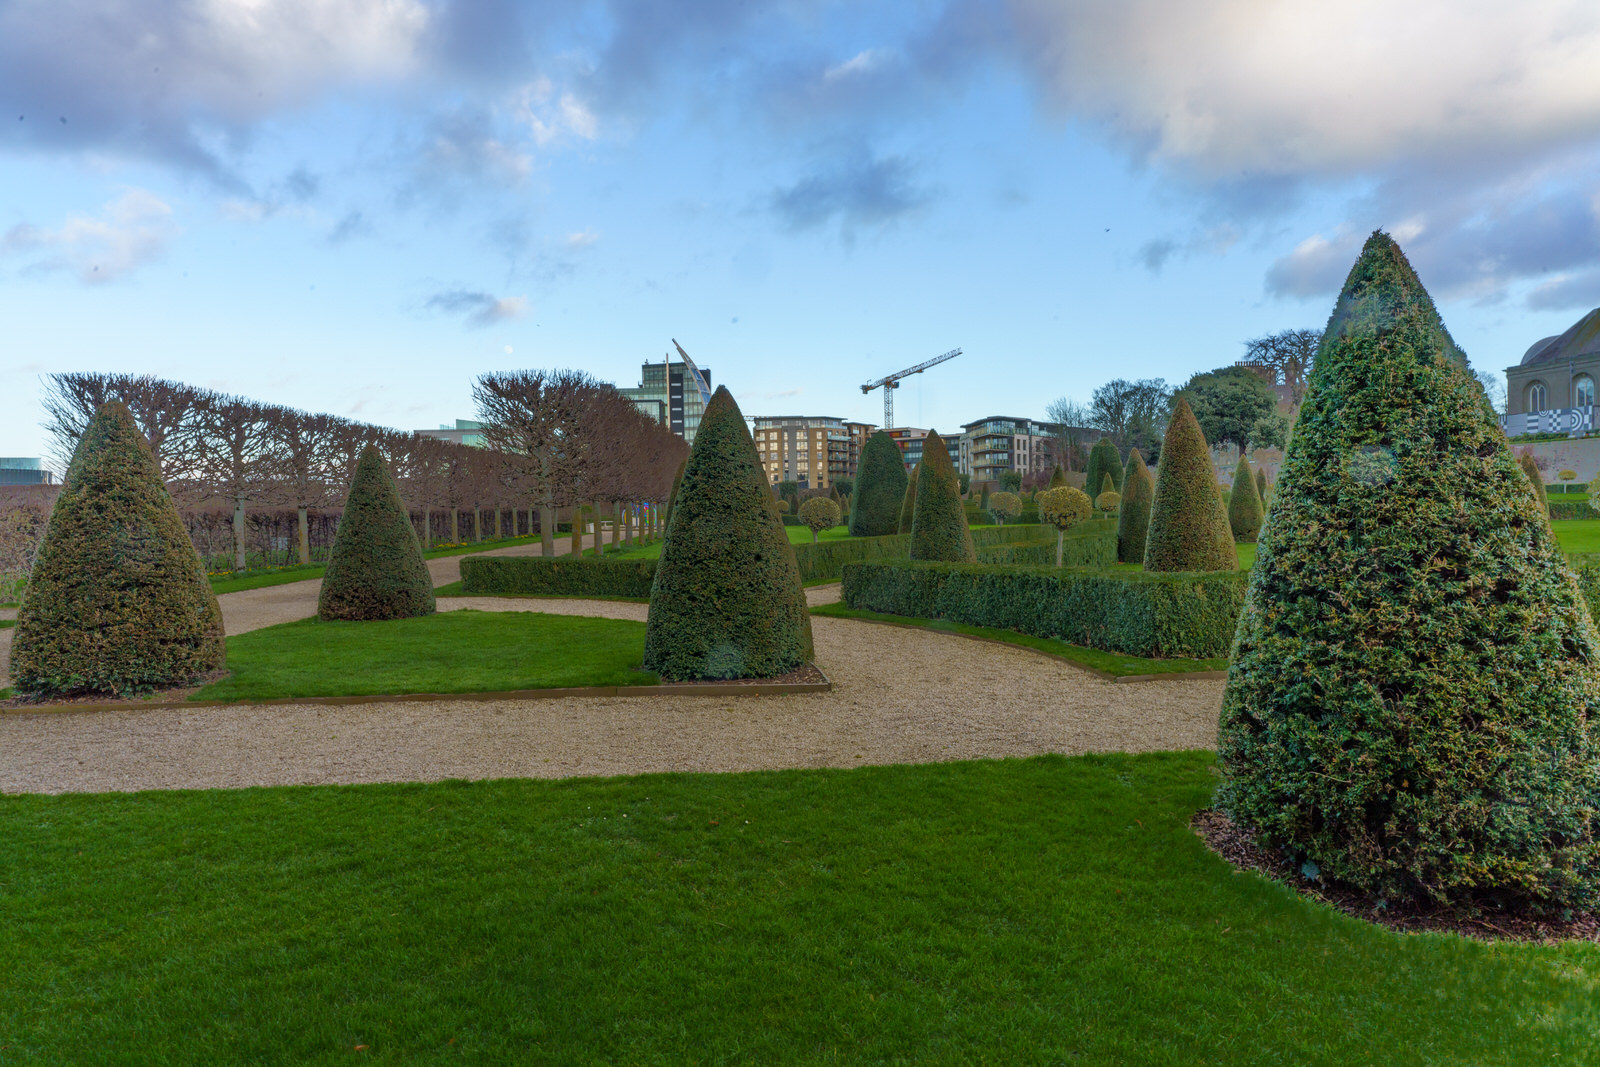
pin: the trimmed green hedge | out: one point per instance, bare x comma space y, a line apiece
1090, 548
559, 576
1189, 614
1571, 509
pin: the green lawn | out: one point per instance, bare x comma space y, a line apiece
1046, 911
451, 652
1578, 535
1113, 663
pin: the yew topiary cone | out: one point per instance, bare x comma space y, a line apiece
1103, 460
939, 524
1189, 528
375, 570
1410, 706
880, 489
727, 600
1261, 488
118, 601
1244, 504
1535, 479
1133, 520
908, 503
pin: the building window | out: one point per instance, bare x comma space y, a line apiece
1582, 391
1538, 396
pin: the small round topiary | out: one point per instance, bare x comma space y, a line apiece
1103, 460
1063, 507
880, 489
783, 507
727, 600
1108, 500
1189, 528
1530, 467
1244, 505
117, 601
819, 513
908, 503
939, 524
375, 570
1133, 517
1004, 506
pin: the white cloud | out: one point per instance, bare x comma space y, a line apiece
582, 239
1296, 88
127, 233
861, 63
550, 116
1316, 266
478, 308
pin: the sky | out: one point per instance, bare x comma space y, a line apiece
357, 206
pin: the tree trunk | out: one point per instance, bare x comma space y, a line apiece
427, 528
547, 530
238, 533
577, 531
1061, 536
477, 525
304, 537
455, 526
496, 535
616, 526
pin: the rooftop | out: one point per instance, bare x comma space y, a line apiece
1581, 341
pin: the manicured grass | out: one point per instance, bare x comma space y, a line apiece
261, 578
6, 624
1048, 910
1578, 535
1110, 662
451, 652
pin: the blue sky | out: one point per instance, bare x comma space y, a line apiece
355, 207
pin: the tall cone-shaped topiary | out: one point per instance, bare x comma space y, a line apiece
1535, 479
1244, 504
1189, 528
117, 601
1261, 488
983, 498
908, 502
880, 489
727, 600
1058, 477
939, 524
672, 497
1133, 520
375, 570
1410, 706
1103, 460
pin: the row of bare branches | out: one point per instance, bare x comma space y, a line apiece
585, 444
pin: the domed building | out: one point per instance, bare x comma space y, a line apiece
1553, 389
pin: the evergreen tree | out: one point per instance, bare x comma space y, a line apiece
117, 601
672, 497
1535, 479
939, 523
727, 600
1103, 460
983, 498
908, 503
1261, 486
1133, 520
1189, 528
880, 488
1244, 504
1410, 707
376, 569
1058, 477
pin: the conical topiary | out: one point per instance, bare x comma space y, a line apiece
1107, 484
1103, 460
1189, 528
939, 524
1531, 468
1133, 520
983, 498
1244, 504
1410, 706
880, 489
908, 502
672, 497
727, 600
117, 601
375, 570
1261, 488
1058, 477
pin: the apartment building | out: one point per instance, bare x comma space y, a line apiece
811, 450
668, 393
1004, 443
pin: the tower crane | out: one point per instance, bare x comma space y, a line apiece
892, 382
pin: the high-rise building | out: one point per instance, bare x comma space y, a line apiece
813, 450
23, 470
668, 393
1002, 443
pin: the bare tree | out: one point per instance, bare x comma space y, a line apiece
239, 460
307, 446
1133, 414
167, 413
1072, 419
1289, 355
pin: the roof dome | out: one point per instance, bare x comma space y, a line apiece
1581, 341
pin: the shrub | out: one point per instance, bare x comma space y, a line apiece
1133, 520
1004, 506
1120, 611
1573, 509
1010, 481
880, 488
1077, 548
1103, 460
117, 601
1531, 469
672, 497
783, 507
939, 526
727, 601
556, 576
908, 503
1410, 704
1567, 476
1244, 504
375, 570
1189, 528
983, 498
1058, 477
1108, 500
1063, 507
1261, 487
819, 513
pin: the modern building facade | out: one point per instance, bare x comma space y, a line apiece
811, 450
23, 470
464, 432
1552, 389
668, 393
1005, 443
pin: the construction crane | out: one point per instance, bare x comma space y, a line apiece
694, 372
892, 382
